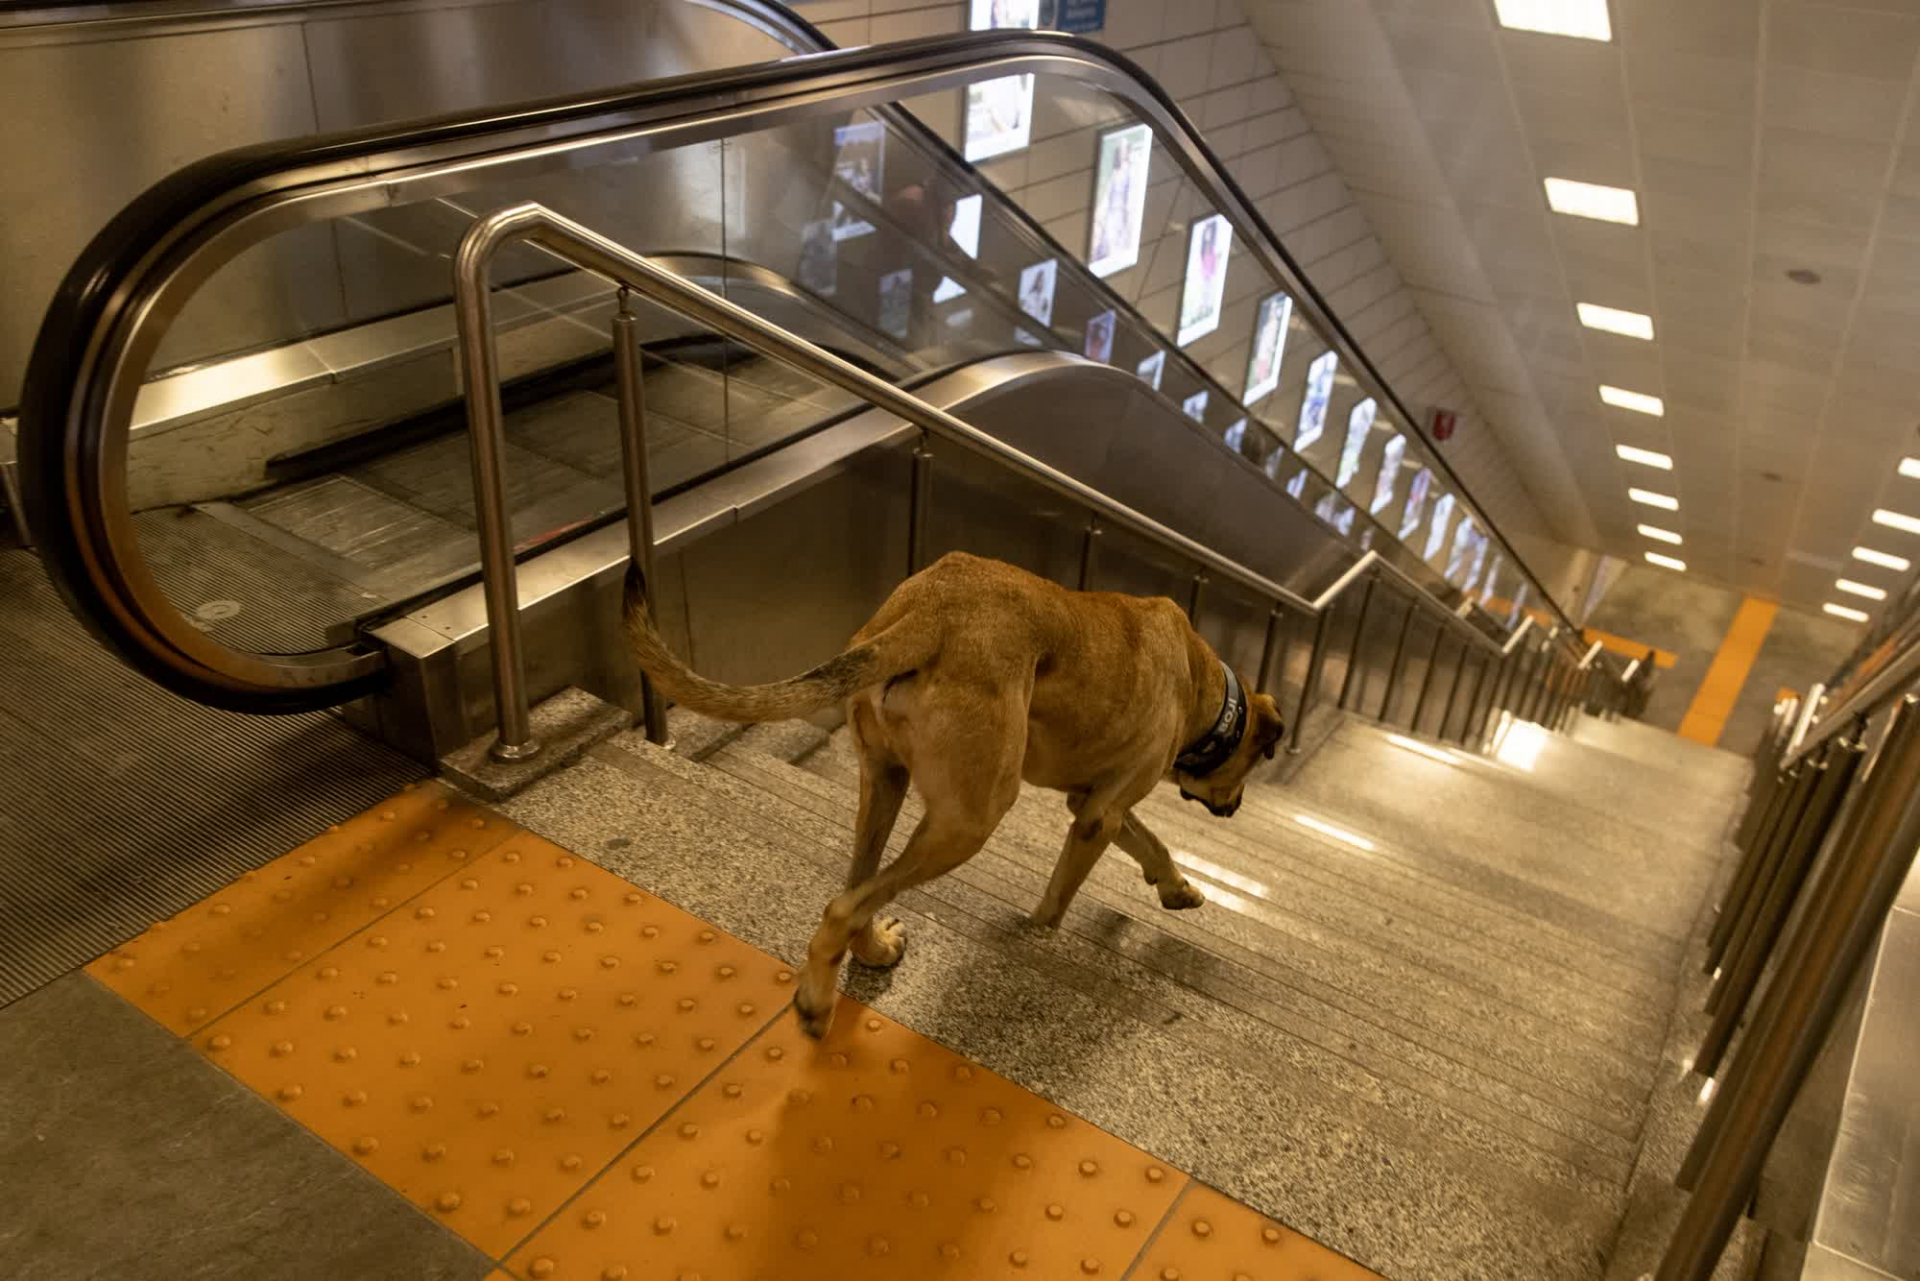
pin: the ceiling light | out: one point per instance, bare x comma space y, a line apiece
1590, 200
1860, 589
1337, 833
1651, 499
1667, 561
1881, 559
1662, 535
1630, 323
1842, 611
1581, 19
1910, 467
1638, 402
1646, 457
1894, 520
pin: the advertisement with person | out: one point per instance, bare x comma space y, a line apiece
1150, 369
1196, 406
1416, 504
1313, 405
1359, 425
1298, 485
1437, 532
1389, 474
1480, 541
1119, 199
1208, 245
896, 302
1099, 344
1493, 577
819, 258
1457, 554
964, 231
859, 161
1236, 436
1000, 112
1036, 290
1269, 344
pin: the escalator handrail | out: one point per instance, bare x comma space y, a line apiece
105, 297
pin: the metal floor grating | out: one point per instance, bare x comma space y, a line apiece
121, 804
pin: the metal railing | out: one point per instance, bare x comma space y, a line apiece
630, 271
1827, 839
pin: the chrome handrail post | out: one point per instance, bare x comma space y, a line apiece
919, 501
1453, 693
1359, 638
1399, 657
1816, 969
473, 314
1268, 649
1089, 552
1473, 700
1426, 678
1748, 868
632, 396
1315, 658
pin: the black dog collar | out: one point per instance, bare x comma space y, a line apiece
1212, 749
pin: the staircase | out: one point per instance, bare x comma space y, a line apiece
1424, 1016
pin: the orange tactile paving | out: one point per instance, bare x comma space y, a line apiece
877, 1154
492, 1045
196, 966
1210, 1237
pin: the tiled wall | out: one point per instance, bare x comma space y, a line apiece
1205, 54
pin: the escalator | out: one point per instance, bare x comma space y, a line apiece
249, 508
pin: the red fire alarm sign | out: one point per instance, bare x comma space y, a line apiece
1441, 422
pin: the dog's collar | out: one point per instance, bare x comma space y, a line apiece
1213, 748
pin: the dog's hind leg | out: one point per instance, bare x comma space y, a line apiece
1176, 891
883, 787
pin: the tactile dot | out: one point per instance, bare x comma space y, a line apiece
519, 1207
447, 1202
1201, 1228
1056, 1212
1089, 1168
1123, 1217
1090, 1266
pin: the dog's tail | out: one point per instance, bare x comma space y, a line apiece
832, 682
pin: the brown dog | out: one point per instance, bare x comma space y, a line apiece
973, 676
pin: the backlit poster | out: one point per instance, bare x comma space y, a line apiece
1389, 474
1519, 603
1416, 504
1437, 532
858, 161
1269, 343
964, 231
1272, 465
1493, 576
896, 302
1236, 436
1359, 424
1480, 542
819, 258
1151, 368
1457, 555
1313, 405
1099, 344
1195, 406
1298, 484
1036, 290
1000, 112
1208, 245
1119, 199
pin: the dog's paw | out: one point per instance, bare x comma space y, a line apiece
1182, 896
881, 944
816, 1018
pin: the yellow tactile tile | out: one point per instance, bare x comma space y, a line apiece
188, 970
877, 1154
490, 1047
1210, 1237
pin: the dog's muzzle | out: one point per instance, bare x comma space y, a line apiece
1218, 811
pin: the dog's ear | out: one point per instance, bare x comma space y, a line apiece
1268, 727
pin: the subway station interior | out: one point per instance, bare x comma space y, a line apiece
610, 611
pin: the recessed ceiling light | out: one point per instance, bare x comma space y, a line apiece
1910, 467
1664, 501
1894, 520
1842, 611
1668, 561
1659, 534
1803, 276
1591, 200
1881, 559
1647, 457
1582, 19
1639, 402
1631, 323
1860, 589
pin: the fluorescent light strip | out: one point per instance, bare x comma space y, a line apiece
1581, 19
1645, 457
1337, 833
1842, 611
1872, 557
1910, 468
1894, 520
1661, 535
1424, 749
1667, 561
1663, 501
1629, 324
1638, 401
1860, 589
1591, 200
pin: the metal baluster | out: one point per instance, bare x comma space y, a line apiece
1748, 869
1426, 677
1473, 699
1193, 599
1794, 824
1399, 656
1453, 692
1267, 648
1089, 553
1315, 658
1817, 967
634, 475
922, 500
1359, 639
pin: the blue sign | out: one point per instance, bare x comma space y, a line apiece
1080, 16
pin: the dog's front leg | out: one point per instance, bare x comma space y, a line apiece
1156, 863
1087, 840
